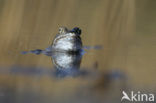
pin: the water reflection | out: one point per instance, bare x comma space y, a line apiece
66, 63
42, 85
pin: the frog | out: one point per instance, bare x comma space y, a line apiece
67, 40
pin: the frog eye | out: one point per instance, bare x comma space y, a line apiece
60, 29
76, 30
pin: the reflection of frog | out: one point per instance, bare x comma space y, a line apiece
67, 40
66, 64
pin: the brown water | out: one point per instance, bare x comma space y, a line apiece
125, 29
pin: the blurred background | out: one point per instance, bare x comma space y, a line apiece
125, 29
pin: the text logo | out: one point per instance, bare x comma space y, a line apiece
137, 96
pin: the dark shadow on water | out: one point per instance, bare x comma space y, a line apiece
20, 88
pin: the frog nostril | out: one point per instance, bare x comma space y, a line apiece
63, 30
